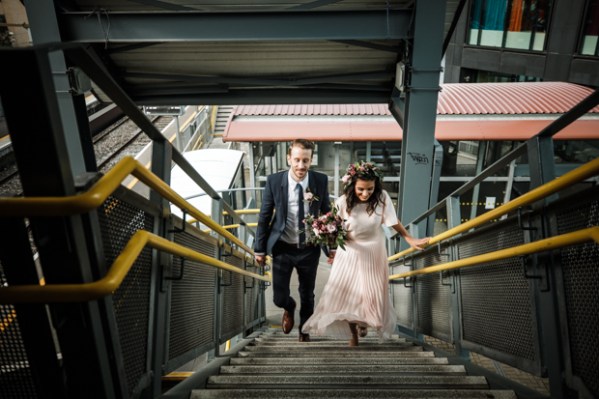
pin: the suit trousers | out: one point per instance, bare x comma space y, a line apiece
286, 257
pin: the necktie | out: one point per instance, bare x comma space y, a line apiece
300, 214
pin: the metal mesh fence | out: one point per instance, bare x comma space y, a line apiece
433, 298
232, 322
16, 380
252, 296
402, 299
192, 302
580, 270
497, 301
119, 220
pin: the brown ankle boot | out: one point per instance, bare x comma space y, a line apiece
354, 334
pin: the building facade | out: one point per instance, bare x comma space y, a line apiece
525, 40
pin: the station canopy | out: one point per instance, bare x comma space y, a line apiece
465, 111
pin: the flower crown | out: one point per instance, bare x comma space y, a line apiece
362, 170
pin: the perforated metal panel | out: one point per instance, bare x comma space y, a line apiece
16, 380
252, 304
433, 298
580, 268
497, 301
192, 303
402, 299
232, 322
119, 220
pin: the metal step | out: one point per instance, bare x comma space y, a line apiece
289, 368
278, 366
340, 353
377, 380
361, 360
356, 393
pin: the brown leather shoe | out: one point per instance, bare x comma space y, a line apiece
362, 331
304, 337
287, 322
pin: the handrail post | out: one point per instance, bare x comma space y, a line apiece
453, 220
218, 304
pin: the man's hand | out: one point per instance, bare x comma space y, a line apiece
260, 259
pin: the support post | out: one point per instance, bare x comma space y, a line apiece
417, 113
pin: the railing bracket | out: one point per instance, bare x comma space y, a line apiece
180, 276
230, 283
178, 229
521, 224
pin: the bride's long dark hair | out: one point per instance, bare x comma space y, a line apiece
373, 201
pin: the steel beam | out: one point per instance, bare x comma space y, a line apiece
44, 30
420, 109
271, 96
66, 245
124, 27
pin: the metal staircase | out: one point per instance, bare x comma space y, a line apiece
274, 365
222, 117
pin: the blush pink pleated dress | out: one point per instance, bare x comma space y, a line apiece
358, 287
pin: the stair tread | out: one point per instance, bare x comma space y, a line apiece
278, 366
342, 368
353, 393
333, 361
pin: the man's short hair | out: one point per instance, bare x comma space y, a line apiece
302, 143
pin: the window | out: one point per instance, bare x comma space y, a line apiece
591, 29
519, 24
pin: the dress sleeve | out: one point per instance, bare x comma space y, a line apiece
389, 215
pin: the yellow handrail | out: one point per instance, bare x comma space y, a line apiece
51, 293
97, 194
250, 211
547, 244
581, 173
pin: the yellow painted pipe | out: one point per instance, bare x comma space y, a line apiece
251, 211
547, 244
579, 174
237, 225
51, 293
177, 376
97, 194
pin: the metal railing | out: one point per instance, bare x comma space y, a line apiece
547, 244
51, 293
579, 174
92, 199
97, 194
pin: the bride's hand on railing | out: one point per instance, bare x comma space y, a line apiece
417, 243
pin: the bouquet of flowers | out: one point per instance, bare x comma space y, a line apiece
328, 229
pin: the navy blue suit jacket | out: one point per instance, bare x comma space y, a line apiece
275, 197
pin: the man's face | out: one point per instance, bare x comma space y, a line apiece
299, 162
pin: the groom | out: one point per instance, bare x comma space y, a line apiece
291, 195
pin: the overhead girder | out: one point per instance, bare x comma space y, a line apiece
127, 27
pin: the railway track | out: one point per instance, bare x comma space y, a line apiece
110, 145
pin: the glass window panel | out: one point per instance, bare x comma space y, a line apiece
487, 22
519, 24
527, 24
591, 29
